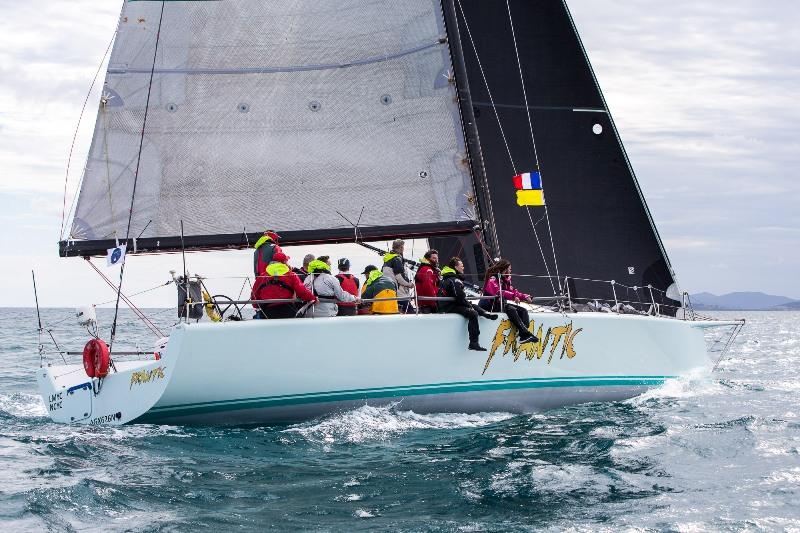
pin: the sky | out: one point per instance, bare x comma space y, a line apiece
705, 95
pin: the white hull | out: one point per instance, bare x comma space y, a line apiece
284, 370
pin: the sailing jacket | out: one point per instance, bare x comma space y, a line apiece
452, 286
302, 274
394, 268
380, 286
427, 282
349, 284
327, 288
279, 282
493, 288
265, 248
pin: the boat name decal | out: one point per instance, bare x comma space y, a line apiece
506, 336
146, 376
105, 419
54, 401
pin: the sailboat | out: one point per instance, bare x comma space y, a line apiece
479, 126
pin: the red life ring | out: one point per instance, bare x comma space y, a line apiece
96, 358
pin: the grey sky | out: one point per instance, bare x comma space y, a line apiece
704, 94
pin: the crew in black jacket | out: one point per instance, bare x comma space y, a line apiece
452, 286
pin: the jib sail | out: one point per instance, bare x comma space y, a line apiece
598, 219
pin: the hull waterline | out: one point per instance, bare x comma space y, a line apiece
265, 371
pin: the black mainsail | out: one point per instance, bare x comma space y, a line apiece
600, 225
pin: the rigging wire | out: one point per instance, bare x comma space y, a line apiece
77, 128
159, 286
486, 84
505, 140
535, 152
138, 312
136, 173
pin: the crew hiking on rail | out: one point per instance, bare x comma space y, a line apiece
385, 291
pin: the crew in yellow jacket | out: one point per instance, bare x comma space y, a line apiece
379, 286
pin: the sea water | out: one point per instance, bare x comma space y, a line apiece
717, 451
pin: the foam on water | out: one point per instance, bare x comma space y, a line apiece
22, 405
368, 423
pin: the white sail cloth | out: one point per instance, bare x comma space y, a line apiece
275, 114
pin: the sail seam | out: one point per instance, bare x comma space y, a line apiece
278, 70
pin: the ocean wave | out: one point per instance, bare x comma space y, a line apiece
692, 385
22, 405
368, 423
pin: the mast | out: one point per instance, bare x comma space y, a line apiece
480, 184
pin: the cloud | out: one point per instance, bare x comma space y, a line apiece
704, 94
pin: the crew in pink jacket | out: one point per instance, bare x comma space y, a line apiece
517, 314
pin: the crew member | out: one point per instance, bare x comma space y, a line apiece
378, 286
394, 268
303, 272
327, 289
266, 246
452, 286
349, 283
427, 281
517, 314
279, 283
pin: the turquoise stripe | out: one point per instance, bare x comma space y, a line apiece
394, 392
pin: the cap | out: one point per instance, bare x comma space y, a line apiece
369, 269
272, 235
344, 263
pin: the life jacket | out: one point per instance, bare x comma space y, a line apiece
447, 288
427, 283
349, 284
270, 285
263, 251
395, 263
379, 286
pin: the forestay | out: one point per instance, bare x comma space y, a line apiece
274, 114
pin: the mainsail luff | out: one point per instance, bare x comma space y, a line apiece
277, 115
482, 200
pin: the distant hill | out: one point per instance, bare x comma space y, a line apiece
791, 306
740, 301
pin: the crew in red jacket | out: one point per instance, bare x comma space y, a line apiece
263, 251
279, 282
427, 281
349, 283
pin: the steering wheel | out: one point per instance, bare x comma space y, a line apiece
224, 304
